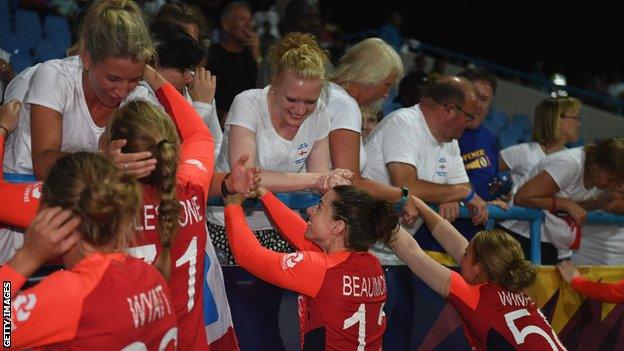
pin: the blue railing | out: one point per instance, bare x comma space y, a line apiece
302, 200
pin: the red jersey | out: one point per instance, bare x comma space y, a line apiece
106, 302
497, 319
343, 292
605, 292
195, 170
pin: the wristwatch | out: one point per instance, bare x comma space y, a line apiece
404, 197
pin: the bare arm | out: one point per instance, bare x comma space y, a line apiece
46, 128
502, 166
403, 174
437, 277
540, 192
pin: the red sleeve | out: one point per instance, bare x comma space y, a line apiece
606, 292
42, 315
1, 156
197, 147
288, 222
301, 271
467, 293
20, 202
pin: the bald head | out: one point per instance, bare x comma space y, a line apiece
451, 90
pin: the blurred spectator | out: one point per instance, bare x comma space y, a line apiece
6, 71
182, 15
411, 88
616, 86
391, 31
236, 58
370, 117
439, 67
420, 63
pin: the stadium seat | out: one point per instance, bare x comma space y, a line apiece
56, 30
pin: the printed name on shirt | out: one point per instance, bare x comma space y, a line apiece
32, 191
6, 314
146, 307
476, 160
514, 299
353, 285
190, 213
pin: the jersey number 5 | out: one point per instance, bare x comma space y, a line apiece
520, 335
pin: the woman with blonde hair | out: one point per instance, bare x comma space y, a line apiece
556, 122
489, 292
572, 182
363, 78
171, 221
87, 211
284, 131
69, 102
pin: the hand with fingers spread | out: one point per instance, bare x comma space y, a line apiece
9, 114
244, 180
449, 210
137, 164
51, 234
203, 87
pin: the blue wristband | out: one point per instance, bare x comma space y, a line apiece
403, 199
470, 196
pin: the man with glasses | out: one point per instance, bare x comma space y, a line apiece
479, 151
416, 148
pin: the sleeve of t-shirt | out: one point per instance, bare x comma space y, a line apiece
196, 164
208, 113
456, 169
606, 292
244, 113
514, 155
400, 143
47, 313
49, 87
288, 222
462, 292
301, 271
562, 168
346, 115
322, 125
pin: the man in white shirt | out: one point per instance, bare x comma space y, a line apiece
416, 148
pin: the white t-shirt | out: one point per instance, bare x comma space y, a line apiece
344, 113
523, 161
57, 85
600, 244
208, 112
403, 136
250, 110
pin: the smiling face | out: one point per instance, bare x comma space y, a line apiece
112, 79
294, 99
322, 227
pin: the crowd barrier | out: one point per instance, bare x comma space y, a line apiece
265, 317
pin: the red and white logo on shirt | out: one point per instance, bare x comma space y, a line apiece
23, 304
32, 192
291, 260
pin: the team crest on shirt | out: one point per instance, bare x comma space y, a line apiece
291, 260
441, 170
302, 153
31, 192
23, 304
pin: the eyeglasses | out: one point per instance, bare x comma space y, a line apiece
470, 117
576, 118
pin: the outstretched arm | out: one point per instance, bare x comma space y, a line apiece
437, 277
301, 271
197, 147
606, 292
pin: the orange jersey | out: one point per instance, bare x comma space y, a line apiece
605, 292
344, 292
105, 302
195, 170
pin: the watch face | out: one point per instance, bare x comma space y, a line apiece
405, 191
